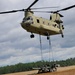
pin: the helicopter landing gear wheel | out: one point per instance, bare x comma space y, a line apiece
61, 32
62, 35
32, 36
47, 37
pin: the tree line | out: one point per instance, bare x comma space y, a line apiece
20, 67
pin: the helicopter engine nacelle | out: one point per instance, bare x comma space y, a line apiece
56, 18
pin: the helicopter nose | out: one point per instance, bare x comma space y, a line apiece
28, 21
27, 24
23, 24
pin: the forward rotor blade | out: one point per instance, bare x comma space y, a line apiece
65, 8
32, 4
13, 11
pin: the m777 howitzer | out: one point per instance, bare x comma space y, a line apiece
47, 68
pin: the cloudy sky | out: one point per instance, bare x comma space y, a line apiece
16, 46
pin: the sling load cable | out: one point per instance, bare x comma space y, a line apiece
50, 47
41, 48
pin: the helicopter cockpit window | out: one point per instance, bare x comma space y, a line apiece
28, 19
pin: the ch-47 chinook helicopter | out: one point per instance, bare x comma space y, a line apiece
39, 25
42, 26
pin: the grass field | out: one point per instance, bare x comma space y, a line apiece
70, 70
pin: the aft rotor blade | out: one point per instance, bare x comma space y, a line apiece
32, 4
66, 8
13, 11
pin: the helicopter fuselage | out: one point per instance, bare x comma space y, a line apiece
40, 25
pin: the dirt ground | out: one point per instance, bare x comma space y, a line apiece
70, 70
